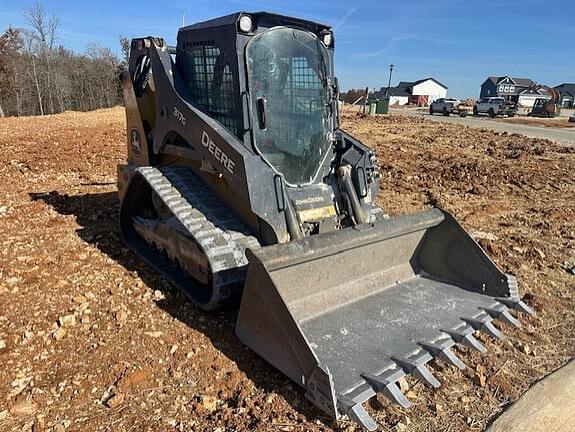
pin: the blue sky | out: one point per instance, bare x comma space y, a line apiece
458, 42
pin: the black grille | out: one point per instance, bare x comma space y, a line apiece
303, 86
210, 82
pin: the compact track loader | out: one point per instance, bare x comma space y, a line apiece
240, 187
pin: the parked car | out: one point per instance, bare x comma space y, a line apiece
444, 106
572, 117
495, 106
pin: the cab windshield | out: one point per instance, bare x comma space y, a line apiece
288, 80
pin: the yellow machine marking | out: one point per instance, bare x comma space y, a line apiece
317, 213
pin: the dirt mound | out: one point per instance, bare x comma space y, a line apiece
92, 339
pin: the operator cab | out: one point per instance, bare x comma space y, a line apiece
268, 79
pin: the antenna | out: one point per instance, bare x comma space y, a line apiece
183, 19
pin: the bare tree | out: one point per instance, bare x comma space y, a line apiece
44, 27
125, 44
38, 76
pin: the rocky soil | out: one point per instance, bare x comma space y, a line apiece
91, 339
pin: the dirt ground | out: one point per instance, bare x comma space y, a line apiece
92, 339
559, 122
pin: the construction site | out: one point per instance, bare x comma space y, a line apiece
231, 251
84, 319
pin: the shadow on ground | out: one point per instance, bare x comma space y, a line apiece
97, 214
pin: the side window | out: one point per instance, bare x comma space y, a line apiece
209, 80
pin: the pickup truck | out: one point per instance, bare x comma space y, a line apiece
445, 106
495, 106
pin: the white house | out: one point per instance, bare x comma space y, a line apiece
421, 92
426, 91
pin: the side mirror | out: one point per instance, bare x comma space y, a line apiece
262, 106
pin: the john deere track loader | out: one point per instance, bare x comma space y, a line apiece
240, 187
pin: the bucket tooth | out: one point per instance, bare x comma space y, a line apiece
518, 305
484, 324
388, 388
466, 338
417, 368
357, 413
522, 307
502, 312
441, 350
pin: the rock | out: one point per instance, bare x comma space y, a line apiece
438, 407
465, 399
479, 379
116, 400
2, 344
410, 395
79, 299
58, 427
59, 333
23, 408
67, 321
121, 316
540, 252
482, 235
19, 384
3, 414
155, 334
159, 295
403, 384
209, 403
134, 378
173, 349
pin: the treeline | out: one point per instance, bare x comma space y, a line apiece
352, 95
38, 76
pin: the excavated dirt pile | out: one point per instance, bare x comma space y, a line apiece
92, 339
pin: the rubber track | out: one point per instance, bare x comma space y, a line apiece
219, 234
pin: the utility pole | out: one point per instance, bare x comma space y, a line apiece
389, 82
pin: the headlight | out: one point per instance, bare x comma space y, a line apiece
245, 23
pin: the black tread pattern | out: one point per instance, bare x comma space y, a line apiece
215, 229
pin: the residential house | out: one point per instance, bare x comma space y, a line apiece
421, 92
567, 91
519, 90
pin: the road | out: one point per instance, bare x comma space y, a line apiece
562, 136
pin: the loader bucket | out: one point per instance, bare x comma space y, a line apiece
347, 314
